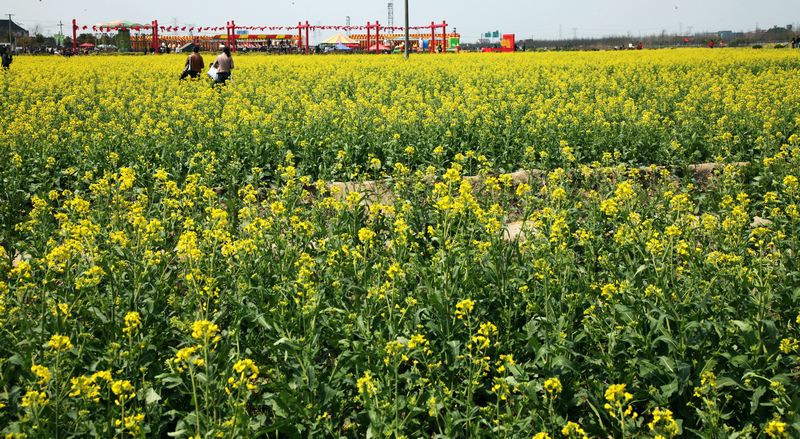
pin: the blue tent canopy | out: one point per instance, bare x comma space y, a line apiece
341, 46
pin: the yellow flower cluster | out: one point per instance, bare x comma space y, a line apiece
124, 391
205, 330
573, 430
60, 343
132, 424
246, 372
366, 385
42, 373
663, 425
132, 322
464, 308
553, 386
616, 398
34, 399
776, 429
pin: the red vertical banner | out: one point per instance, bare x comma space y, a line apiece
74, 37
307, 38
368, 28
233, 36
300, 27
377, 28
155, 36
432, 44
444, 36
377, 37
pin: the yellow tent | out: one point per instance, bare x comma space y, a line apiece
339, 39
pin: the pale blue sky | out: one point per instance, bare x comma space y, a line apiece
525, 18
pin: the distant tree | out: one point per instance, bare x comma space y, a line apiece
86, 38
39, 39
26, 42
67, 41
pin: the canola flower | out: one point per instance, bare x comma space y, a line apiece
776, 429
573, 430
124, 391
203, 329
246, 372
34, 399
344, 304
663, 425
60, 343
132, 321
553, 387
464, 308
42, 373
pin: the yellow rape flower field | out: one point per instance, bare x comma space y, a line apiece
540, 245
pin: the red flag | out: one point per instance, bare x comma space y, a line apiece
93, 28
183, 28
84, 28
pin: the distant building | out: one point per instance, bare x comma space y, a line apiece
16, 31
484, 41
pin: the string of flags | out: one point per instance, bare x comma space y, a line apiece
261, 28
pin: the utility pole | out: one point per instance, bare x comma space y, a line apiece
10, 39
390, 21
347, 22
574, 33
405, 45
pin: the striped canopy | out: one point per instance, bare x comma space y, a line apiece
339, 39
125, 24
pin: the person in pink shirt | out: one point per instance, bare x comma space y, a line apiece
224, 65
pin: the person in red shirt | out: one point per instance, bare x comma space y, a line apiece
711, 44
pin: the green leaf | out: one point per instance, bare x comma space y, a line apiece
754, 400
151, 396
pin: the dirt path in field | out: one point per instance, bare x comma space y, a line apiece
378, 191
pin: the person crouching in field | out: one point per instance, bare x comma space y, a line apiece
195, 64
7, 58
224, 65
